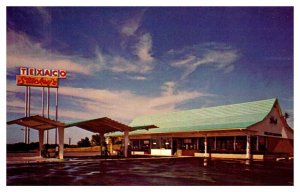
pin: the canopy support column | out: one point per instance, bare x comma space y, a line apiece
110, 144
248, 147
257, 143
41, 141
234, 143
205, 147
215, 144
126, 141
61, 131
101, 143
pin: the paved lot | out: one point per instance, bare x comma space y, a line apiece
17, 158
151, 171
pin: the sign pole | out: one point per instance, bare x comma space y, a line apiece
56, 113
48, 110
29, 105
36, 77
25, 129
41, 132
43, 102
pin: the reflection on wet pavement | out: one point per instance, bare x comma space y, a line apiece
170, 171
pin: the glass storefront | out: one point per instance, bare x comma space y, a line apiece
189, 143
145, 145
228, 144
201, 144
135, 144
240, 144
140, 145
225, 144
155, 143
161, 143
166, 143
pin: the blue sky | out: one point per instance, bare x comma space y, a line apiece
123, 62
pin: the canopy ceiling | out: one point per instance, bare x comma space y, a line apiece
37, 122
100, 125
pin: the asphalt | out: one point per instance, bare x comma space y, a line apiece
25, 158
146, 171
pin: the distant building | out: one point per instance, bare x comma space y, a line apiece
244, 130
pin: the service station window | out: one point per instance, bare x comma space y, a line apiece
145, 145
166, 143
189, 143
155, 143
135, 144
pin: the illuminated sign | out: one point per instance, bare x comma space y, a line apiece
37, 81
62, 74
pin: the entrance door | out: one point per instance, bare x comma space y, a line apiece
174, 146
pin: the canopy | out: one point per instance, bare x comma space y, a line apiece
101, 125
37, 122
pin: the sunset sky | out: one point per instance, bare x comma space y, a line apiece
123, 62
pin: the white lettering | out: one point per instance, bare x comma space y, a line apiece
43, 72
62, 74
23, 71
55, 73
31, 71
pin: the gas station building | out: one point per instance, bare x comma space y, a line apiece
249, 130
243, 130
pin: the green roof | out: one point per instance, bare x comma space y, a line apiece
233, 116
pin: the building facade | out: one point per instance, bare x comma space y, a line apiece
244, 130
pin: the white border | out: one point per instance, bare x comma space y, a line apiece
149, 3
5, 3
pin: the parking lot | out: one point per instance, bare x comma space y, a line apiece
152, 172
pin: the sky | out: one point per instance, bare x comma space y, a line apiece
123, 62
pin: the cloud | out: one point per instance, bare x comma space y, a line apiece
100, 58
134, 42
141, 64
170, 97
120, 64
218, 56
44, 15
129, 26
122, 105
22, 51
15, 102
181, 63
143, 48
168, 88
135, 59
125, 105
139, 78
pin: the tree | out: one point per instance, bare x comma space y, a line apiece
96, 139
84, 142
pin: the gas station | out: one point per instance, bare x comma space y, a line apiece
101, 125
250, 130
46, 78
